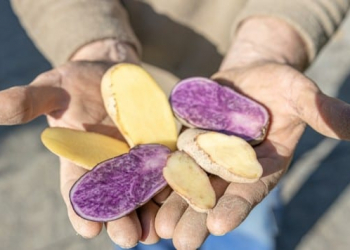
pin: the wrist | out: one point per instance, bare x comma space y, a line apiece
265, 39
108, 50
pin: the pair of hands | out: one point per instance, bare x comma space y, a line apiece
70, 97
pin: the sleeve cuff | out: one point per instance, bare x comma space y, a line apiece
59, 28
315, 21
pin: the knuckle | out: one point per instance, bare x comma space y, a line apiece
17, 106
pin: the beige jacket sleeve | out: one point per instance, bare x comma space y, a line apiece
60, 27
315, 20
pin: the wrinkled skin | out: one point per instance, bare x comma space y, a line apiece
70, 97
293, 102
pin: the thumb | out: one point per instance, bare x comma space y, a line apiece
328, 116
22, 104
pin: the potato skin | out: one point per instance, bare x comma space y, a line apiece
188, 143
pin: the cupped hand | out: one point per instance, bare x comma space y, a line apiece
293, 102
70, 97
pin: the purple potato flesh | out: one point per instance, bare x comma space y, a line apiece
202, 103
119, 185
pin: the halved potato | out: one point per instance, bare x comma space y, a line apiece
138, 106
190, 181
86, 149
229, 157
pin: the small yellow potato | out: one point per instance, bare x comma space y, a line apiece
138, 106
229, 157
86, 149
190, 181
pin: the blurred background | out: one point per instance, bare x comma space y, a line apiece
316, 190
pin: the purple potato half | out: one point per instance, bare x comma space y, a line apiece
202, 103
119, 185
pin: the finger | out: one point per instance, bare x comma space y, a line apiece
147, 214
161, 197
70, 173
191, 230
126, 231
234, 206
328, 116
22, 104
169, 214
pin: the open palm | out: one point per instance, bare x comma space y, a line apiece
70, 97
293, 102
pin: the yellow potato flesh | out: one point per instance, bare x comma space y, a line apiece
186, 178
85, 149
231, 152
138, 106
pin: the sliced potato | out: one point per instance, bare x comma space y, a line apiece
229, 157
138, 106
190, 181
118, 186
86, 149
200, 102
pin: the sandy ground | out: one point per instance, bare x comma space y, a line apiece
33, 216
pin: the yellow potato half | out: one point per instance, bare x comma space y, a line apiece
86, 149
190, 181
230, 157
138, 106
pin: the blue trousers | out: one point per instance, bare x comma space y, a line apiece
257, 232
